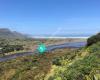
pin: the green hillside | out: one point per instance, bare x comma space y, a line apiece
84, 66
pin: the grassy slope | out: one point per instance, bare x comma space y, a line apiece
30, 67
84, 66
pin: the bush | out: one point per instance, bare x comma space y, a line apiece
10, 48
56, 61
93, 39
18, 47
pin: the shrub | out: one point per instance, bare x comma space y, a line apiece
56, 61
93, 39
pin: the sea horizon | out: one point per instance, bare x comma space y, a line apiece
60, 37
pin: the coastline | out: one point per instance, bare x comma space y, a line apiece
40, 37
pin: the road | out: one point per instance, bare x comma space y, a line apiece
49, 48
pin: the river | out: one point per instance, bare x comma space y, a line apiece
49, 48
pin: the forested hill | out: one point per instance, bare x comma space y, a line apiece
6, 34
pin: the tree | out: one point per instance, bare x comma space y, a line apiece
93, 39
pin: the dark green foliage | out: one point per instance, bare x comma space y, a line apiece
18, 47
56, 61
11, 45
93, 39
10, 48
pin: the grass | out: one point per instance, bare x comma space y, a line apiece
34, 67
81, 67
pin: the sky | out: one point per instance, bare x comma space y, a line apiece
51, 16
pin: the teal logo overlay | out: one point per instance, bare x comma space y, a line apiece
41, 48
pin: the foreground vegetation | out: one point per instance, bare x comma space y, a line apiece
61, 64
66, 64
33, 67
84, 66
